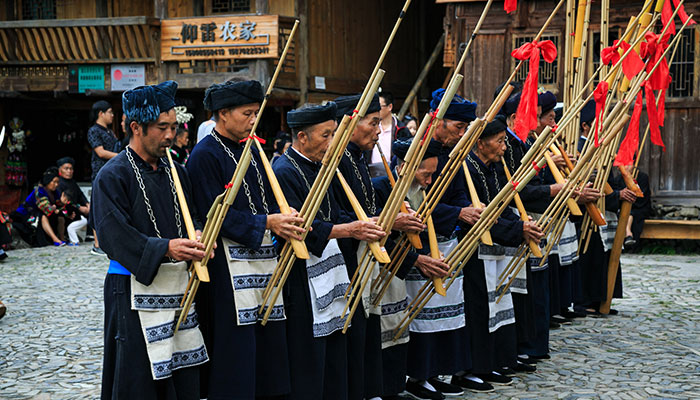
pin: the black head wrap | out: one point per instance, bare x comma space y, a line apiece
494, 127
232, 94
458, 110
400, 148
547, 101
145, 103
346, 105
65, 160
510, 107
311, 115
588, 112
49, 174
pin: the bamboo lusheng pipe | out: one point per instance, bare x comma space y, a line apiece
591, 209
414, 157
476, 202
534, 247
412, 237
438, 283
312, 203
457, 257
571, 203
644, 22
421, 77
578, 35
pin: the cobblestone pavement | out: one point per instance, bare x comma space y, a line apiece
51, 337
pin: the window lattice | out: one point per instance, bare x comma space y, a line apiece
39, 9
229, 6
290, 61
548, 73
682, 68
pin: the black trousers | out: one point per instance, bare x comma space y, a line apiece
126, 372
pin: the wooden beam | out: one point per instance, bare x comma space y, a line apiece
671, 229
40, 23
302, 50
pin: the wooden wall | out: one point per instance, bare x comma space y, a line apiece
674, 176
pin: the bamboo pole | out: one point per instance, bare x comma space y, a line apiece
435, 254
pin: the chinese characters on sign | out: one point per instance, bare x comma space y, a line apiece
251, 36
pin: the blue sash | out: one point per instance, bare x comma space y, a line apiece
116, 268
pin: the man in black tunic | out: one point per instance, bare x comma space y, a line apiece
314, 290
247, 359
138, 219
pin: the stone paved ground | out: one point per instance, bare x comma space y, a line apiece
51, 338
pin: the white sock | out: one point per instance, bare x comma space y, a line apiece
474, 378
495, 373
427, 385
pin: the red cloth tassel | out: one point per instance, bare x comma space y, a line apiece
681, 12
258, 138
510, 5
625, 155
631, 65
653, 116
666, 14
599, 95
526, 114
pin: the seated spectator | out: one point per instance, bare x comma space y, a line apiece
38, 220
5, 235
77, 197
74, 219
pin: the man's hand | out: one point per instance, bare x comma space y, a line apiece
85, 210
588, 194
185, 250
408, 223
431, 267
470, 215
286, 225
198, 235
532, 232
366, 231
559, 161
627, 195
555, 189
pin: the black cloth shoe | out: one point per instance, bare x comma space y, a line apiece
613, 312
542, 357
573, 314
417, 391
3, 310
506, 371
395, 397
495, 379
474, 386
522, 367
528, 361
445, 388
561, 320
554, 325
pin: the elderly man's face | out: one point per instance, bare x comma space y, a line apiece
366, 133
66, 171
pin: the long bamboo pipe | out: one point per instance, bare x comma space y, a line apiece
435, 254
534, 247
476, 202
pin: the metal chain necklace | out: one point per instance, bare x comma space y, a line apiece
149, 209
483, 177
246, 188
324, 216
370, 204
510, 153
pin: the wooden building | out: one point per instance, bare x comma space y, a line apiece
674, 176
57, 57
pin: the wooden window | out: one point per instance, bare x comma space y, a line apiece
230, 6
548, 73
684, 68
38, 9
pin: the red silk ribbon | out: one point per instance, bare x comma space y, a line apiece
510, 5
599, 95
660, 80
681, 12
631, 65
666, 13
625, 155
653, 116
258, 138
526, 114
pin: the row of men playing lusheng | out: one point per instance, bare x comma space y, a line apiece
222, 351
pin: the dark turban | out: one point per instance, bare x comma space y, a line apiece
65, 160
400, 148
311, 115
547, 101
145, 103
494, 127
48, 175
458, 110
232, 94
347, 104
588, 112
510, 107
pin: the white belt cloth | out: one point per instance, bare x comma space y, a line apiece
607, 232
501, 313
567, 248
251, 270
328, 281
367, 295
158, 307
394, 305
519, 284
440, 313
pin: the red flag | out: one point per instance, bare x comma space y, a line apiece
681, 12
510, 5
666, 14
631, 65
599, 95
625, 155
653, 116
526, 114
